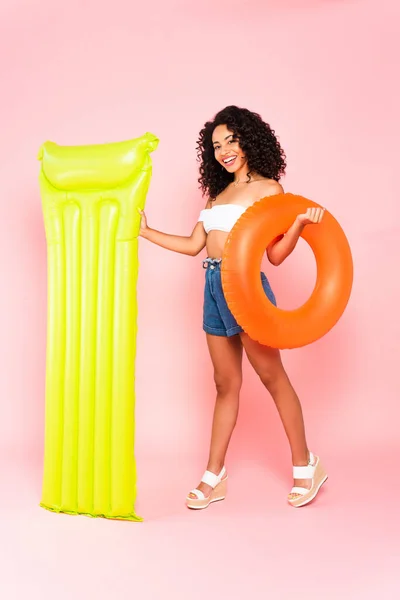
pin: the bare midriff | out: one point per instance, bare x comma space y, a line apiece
215, 243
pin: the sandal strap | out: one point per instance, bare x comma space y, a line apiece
305, 472
198, 493
299, 490
212, 479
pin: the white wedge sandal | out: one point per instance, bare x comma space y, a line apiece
219, 490
314, 471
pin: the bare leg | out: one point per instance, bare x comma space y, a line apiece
226, 356
268, 366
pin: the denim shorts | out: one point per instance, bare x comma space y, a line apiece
217, 318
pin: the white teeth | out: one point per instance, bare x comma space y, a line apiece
229, 160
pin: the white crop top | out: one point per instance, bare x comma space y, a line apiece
221, 217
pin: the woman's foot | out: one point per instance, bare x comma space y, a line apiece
212, 488
302, 483
308, 480
202, 487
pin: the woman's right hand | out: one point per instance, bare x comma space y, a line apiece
191, 245
143, 223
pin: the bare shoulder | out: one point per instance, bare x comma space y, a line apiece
210, 203
270, 187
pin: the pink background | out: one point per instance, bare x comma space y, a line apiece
325, 75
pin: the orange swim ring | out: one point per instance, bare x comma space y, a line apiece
243, 253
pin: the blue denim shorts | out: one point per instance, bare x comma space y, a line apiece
217, 318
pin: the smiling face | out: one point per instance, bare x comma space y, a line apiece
227, 150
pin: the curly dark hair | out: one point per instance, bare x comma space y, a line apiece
257, 140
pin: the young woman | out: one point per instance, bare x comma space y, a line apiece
241, 161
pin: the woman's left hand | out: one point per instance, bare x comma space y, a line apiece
313, 216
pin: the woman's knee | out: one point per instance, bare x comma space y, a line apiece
272, 376
227, 384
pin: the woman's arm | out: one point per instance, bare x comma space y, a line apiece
283, 246
191, 245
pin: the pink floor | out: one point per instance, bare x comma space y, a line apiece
345, 545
